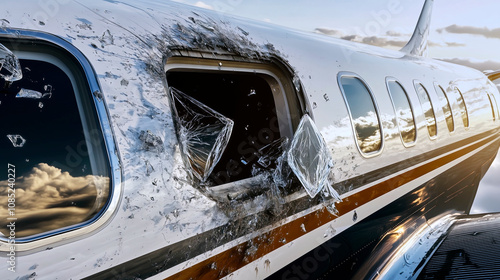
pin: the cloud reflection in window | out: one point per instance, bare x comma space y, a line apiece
368, 132
404, 113
363, 114
48, 199
425, 101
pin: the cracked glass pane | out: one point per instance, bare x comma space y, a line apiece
309, 157
10, 68
203, 133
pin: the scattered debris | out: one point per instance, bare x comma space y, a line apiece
151, 142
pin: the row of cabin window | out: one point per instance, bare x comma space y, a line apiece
365, 118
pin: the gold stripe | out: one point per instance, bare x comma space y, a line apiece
235, 258
493, 76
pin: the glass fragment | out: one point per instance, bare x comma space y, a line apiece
309, 157
203, 133
10, 68
270, 153
29, 93
17, 140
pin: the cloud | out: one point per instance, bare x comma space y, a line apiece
49, 199
454, 44
368, 132
329, 32
486, 32
203, 5
396, 34
380, 41
479, 65
383, 42
350, 37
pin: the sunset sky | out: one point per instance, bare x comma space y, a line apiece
464, 32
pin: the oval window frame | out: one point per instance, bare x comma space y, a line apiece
342, 74
409, 144
92, 225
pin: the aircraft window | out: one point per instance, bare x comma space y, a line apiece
364, 115
223, 143
425, 101
492, 108
59, 173
463, 108
404, 112
445, 103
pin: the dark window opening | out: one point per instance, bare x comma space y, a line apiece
245, 98
51, 136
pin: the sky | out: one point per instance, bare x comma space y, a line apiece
462, 31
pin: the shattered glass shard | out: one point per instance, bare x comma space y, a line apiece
296, 83
272, 151
17, 140
309, 157
203, 133
29, 93
10, 68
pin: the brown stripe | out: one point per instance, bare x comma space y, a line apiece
226, 262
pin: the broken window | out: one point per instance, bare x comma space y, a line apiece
364, 114
229, 122
404, 112
51, 139
425, 101
203, 133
